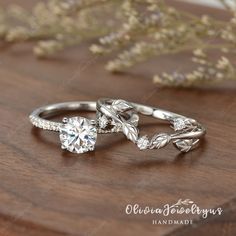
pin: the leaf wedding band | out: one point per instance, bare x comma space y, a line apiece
78, 134
185, 138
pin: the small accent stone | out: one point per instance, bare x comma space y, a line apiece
103, 121
143, 142
179, 124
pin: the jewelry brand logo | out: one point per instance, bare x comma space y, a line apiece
181, 207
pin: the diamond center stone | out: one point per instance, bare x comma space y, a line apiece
78, 135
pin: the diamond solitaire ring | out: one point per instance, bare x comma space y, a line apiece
79, 134
185, 138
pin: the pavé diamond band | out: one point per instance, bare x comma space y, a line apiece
187, 131
79, 134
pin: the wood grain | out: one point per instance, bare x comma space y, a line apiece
44, 191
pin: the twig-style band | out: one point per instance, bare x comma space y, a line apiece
187, 131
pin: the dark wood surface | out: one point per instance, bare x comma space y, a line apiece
44, 191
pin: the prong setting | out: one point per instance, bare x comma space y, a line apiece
65, 120
78, 135
63, 147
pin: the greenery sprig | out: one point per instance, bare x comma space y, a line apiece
136, 30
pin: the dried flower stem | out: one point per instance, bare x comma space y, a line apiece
138, 29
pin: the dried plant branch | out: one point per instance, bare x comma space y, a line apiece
136, 30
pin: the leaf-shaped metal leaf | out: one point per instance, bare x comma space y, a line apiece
184, 145
134, 119
121, 105
160, 140
130, 131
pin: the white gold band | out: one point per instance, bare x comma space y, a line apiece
36, 117
187, 130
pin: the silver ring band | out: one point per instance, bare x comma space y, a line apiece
36, 117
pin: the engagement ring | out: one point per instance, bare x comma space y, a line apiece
79, 134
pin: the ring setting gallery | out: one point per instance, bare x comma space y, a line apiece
79, 134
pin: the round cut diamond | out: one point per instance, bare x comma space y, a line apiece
78, 135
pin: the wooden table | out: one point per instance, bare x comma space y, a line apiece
44, 191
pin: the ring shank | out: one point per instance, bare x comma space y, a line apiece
38, 115
156, 112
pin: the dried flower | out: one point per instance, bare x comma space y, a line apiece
137, 30
223, 63
199, 53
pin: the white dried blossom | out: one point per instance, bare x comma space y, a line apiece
199, 53
205, 20
223, 63
17, 34
135, 30
45, 48
96, 49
